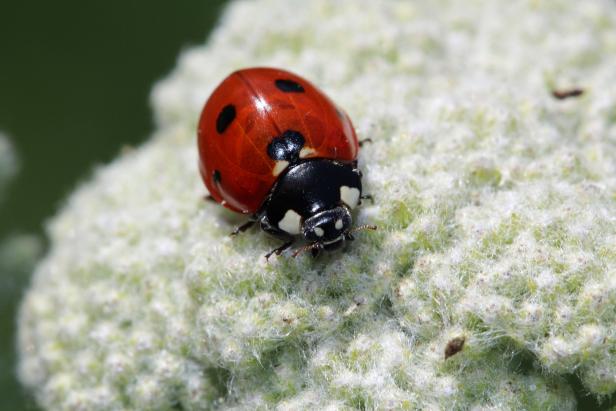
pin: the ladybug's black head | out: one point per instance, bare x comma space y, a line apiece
328, 227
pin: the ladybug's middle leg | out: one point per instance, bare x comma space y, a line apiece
243, 227
360, 174
367, 197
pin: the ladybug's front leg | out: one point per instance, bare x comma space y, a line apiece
278, 233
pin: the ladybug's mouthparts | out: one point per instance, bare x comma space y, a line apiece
335, 240
316, 246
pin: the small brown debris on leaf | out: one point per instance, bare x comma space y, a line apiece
563, 94
454, 346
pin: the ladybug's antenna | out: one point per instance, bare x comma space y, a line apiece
362, 228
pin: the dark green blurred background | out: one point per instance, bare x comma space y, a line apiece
74, 83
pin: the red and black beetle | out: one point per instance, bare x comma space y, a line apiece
274, 146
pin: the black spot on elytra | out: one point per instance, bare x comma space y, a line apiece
216, 176
225, 117
289, 86
286, 147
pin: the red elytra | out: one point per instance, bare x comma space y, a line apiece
249, 109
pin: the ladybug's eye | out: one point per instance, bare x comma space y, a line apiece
289, 86
225, 117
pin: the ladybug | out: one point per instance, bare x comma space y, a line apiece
275, 147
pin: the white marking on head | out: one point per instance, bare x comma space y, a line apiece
319, 231
306, 151
279, 167
291, 222
338, 224
349, 195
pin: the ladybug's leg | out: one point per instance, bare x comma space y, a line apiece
278, 233
367, 197
365, 140
280, 249
243, 227
209, 198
